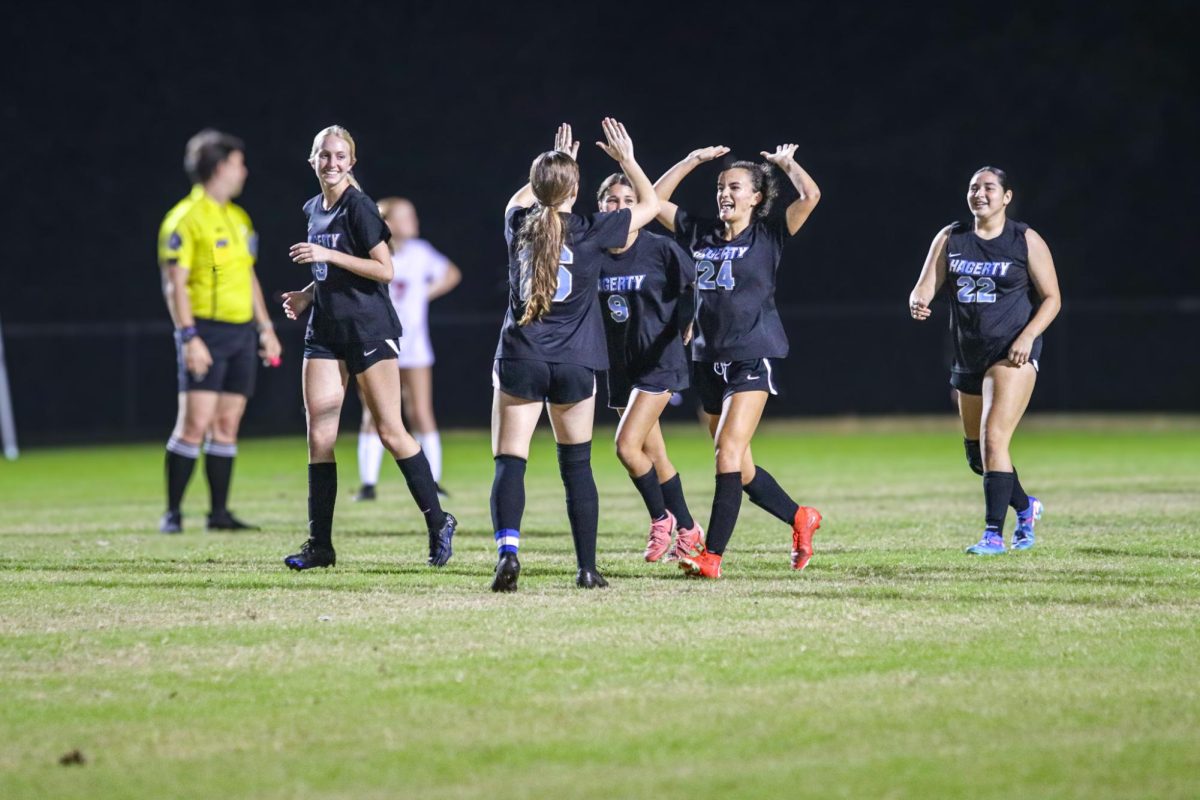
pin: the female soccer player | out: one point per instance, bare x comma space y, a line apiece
421, 274
352, 330
648, 299
997, 264
552, 340
739, 332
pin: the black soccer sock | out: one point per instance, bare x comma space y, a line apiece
766, 493
727, 501
652, 495
322, 493
583, 503
181, 460
974, 455
1020, 500
218, 467
672, 492
508, 493
997, 492
423, 488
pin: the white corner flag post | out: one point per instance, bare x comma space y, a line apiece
8, 426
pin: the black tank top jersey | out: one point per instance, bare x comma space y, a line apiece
991, 296
646, 298
736, 319
348, 307
571, 333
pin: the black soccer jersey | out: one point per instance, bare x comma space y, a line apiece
646, 299
348, 307
736, 319
991, 294
571, 333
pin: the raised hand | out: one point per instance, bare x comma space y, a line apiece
619, 146
564, 142
709, 153
783, 154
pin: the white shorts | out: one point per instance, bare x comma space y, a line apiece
415, 350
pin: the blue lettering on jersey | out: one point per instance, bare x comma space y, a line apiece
622, 283
329, 240
719, 253
961, 266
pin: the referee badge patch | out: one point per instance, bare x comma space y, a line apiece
175, 241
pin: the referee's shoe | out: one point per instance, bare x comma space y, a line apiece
226, 521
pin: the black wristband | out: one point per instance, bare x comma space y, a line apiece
187, 334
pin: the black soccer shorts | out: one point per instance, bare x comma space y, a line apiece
716, 380
526, 378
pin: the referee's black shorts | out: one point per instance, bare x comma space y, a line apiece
234, 350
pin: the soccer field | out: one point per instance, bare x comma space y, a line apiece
894, 666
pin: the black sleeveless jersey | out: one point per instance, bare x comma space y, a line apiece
736, 319
646, 299
991, 295
571, 333
348, 307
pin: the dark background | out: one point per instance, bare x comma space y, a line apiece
1092, 109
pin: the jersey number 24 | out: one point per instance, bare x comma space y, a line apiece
704, 276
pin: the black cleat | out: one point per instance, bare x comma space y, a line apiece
442, 493
311, 555
440, 548
507, 570
590, 579
226, 521
171, 522
365, 492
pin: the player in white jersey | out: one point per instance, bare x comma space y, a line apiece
421, 274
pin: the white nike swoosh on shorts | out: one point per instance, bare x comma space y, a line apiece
368, 352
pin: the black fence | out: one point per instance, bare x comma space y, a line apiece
112, 381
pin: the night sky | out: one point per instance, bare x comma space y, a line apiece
1092, 109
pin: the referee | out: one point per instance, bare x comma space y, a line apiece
206, 249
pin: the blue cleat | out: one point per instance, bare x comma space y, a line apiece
991, 544
1023, 537
441, 542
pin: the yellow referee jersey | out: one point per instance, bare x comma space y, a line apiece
216, 244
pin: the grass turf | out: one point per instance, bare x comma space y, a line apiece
895, 666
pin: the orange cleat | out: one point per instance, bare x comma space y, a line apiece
806, 523
701, 564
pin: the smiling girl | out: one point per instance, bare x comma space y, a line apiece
352, 331
739, 334
998, 265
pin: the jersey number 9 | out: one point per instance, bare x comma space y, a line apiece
704, 276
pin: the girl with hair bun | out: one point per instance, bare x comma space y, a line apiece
739, 335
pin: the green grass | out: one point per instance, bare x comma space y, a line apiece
198, 666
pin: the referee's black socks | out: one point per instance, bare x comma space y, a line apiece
766, 493
181, 460
322, 493
583, 503
423, 488
727, 502
218, 467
